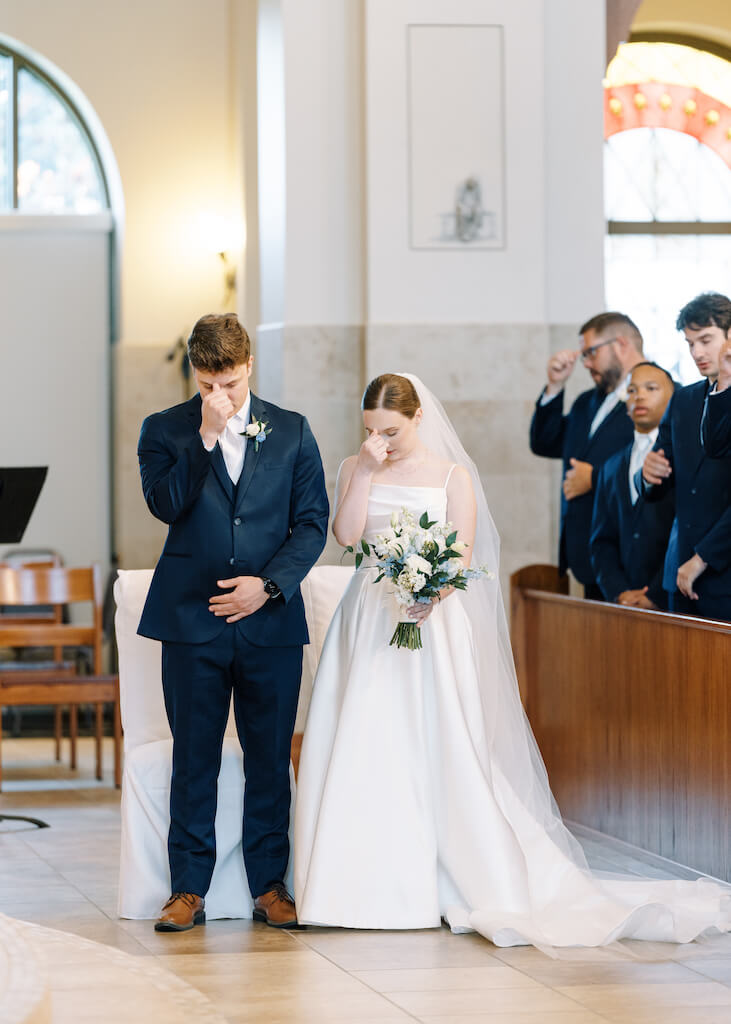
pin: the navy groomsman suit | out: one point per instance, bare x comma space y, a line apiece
558, 436
271, 524
629, 541
717, 425
702, 506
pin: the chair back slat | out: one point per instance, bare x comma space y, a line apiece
52, 586
57, 585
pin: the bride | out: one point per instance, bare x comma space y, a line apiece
422, 795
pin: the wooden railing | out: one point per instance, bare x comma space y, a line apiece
632, 712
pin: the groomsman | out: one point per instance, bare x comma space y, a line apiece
698, 563
594, 428
630, 535
717, 417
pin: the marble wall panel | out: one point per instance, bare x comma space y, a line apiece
145, 382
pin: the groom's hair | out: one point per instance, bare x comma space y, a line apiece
392, 391
218, 342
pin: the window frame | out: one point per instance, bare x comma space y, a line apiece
20, 63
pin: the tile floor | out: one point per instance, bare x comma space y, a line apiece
64, 877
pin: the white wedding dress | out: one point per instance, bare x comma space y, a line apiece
421, 794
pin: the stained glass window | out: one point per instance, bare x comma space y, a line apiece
667, 196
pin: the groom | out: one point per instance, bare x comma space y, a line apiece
240, 484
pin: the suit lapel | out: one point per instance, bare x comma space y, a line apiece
694, 422
219, 466
251, 460
618, 410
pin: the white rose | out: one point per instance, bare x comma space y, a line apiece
459, 545
418, 564
252, 430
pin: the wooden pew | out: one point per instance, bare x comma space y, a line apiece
632, 712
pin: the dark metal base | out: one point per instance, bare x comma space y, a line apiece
19, 817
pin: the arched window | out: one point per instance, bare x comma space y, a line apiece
667, 175
48, 161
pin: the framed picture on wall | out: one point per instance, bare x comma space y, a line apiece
456, 137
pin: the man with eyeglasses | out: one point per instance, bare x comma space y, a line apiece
595, 427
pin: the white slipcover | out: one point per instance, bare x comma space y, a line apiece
144, 873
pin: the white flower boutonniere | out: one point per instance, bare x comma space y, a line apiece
257, 431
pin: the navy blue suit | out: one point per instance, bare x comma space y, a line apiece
273, 523
628, 542
702, 506
567, 437
717, 425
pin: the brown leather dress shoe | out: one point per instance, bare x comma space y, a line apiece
276, 908
181, 912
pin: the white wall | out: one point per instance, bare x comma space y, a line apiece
552, 91
315, 183
55, 384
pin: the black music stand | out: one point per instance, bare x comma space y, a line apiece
19, 490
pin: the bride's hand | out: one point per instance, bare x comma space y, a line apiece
372, 453
421, 612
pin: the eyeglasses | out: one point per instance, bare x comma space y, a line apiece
589, 353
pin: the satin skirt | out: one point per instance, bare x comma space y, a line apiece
402, 821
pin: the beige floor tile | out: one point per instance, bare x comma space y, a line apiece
718, 970
497, 1000
557, 974
670, 1015
216, 937
382, 950
313, 1007
635, 998
489, 976
561, 1017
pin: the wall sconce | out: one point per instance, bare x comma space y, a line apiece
229, 280
222, 234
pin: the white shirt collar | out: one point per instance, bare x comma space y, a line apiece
646, 440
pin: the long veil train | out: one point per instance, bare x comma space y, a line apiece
557, 900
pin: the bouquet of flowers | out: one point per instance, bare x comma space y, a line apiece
421, 559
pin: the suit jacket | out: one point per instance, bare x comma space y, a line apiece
567, 437
702, 495
629, 542
717, 425
273, 523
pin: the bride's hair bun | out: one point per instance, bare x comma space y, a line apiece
391, 391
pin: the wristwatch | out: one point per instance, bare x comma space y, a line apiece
270, 587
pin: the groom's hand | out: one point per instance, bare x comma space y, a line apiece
216, 409
247, 597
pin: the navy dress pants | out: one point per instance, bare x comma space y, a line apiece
198, 680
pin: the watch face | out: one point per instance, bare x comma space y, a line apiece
271, 587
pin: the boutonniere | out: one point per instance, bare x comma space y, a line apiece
257, 430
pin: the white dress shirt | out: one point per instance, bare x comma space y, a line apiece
641, 446
231, 443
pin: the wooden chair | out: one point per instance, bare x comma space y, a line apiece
58, 586
32, 615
